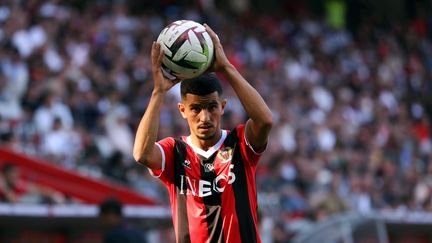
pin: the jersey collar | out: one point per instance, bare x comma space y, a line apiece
211, 150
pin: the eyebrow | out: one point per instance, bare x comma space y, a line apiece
213, 102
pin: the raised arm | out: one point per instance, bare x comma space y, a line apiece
145, 150
261, 121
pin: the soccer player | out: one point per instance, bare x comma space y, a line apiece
210, 174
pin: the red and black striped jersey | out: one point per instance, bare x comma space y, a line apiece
213, 193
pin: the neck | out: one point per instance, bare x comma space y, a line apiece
205, 144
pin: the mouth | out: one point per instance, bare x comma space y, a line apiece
205, 127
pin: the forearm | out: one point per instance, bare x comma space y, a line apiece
258, 126
252, 102
147, 131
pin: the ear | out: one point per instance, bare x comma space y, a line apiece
182, 109
224, 102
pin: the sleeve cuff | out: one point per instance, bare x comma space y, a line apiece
158, 173
261, 150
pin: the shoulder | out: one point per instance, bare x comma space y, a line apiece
172, 140
167, 142
239, 130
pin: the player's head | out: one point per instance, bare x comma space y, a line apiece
202, 105
201, 85
110, 212
10, 172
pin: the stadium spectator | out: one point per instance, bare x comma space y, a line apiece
52, 108
14, 80
61, 144
116, 229
15, 189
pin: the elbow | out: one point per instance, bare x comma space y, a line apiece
267, 122
143, 159
138, 157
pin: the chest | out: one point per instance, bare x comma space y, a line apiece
203, 177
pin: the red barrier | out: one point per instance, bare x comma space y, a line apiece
69, 182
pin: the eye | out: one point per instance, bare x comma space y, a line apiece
195, 109
213, 107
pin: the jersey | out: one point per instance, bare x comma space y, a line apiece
212, 193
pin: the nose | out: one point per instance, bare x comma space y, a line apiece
205, 115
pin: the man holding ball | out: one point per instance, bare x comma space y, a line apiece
210, 174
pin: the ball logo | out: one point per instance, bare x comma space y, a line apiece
225, 155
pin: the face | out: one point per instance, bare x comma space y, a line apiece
12, 175
203, 114
110, 219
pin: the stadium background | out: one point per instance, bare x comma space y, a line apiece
349, 84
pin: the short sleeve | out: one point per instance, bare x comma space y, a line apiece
166, 147
250, 156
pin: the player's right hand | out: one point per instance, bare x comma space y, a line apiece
161, 83
221, 61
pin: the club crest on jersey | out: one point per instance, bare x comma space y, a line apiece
225, 155
186, 164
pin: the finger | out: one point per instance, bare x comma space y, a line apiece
161, 55
153, 52
209, 30
213, 35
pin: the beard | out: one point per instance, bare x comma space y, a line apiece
207, 136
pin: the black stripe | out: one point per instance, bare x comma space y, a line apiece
176, 46
184, 63
240, 187
212, 204
182, 215
178, 43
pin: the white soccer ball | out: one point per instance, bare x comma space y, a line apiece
188, 49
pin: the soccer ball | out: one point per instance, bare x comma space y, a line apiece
188, 49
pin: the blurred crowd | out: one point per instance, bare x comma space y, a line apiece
352, 109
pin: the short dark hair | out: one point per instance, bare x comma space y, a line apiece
201, 85
111, 205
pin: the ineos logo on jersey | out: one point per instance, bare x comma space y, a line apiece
203, 188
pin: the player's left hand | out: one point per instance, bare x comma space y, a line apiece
220, 62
